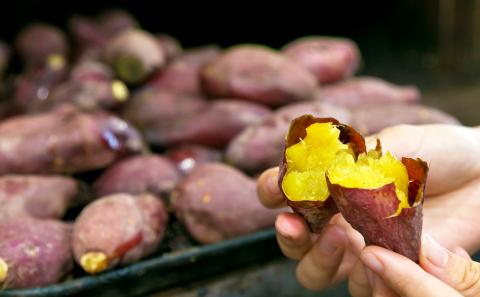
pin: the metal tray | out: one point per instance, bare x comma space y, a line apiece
166, 270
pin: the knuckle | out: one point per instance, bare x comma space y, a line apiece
308, 280
469, 281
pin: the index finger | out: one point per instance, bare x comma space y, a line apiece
268, 191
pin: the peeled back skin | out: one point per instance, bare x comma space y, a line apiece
33, 252
218, 202
64, 140
259, 74
118, 229
382, 198
311, 147
366, 90
36, 196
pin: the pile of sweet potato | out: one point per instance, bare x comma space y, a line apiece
110, 135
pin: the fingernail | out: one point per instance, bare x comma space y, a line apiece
370, 276
435, 254
372, 262
332, 240
272, 184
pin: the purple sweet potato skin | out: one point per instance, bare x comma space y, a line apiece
360, 91
115, 21
372, 119
187, 156
36, 196
171, 46
217, 202
330, 59
64, 141
258, 74
260, 146
122, 226
37, 252
139, 174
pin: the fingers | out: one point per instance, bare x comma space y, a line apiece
318, 268
461, 252
460, 273
402, 276
358, 284
293, 235
445, 148
269, 192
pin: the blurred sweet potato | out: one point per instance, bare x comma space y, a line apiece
33, 252
182, 75
114, 21
64, 141
187, 156
328, 58
37, 42
36, 196
118, 229
260, 146
258, 74
86, 34
366, 90
372, 119
135, 55
139, 174
217, 202
4, 57
171, 46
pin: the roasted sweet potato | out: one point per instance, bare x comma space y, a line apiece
217, 202
260, 146
258, 74
135, 55
182, 75
33, 252
187, 156
366, 90
139, 174
64, 141
118, 229
328, 58
157, 112
171, 46
216, 125
37, 42
36, 196
372, 119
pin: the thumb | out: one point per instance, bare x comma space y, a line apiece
458, 272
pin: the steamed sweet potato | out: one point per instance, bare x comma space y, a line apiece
118, 229
366, 90
260, 146
328, 58
64, 141
156, 112
258, 74
217, 202
37, 42
139, 174
372, 119
36, 196
135, 55
182, 74
187, 156
33, 252
216, 125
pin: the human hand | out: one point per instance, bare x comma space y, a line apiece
450, 208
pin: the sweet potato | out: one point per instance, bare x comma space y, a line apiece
118, 229
37, 42
216, 125
372, 119
139, 174
328, 58
171, 46
182, 75
86, 34
36, 196
260, 146
33, 252
217, 202
64, 141
4, 57
114, 21
258, 74
366, 90
156, 112
135, 55
187, 156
